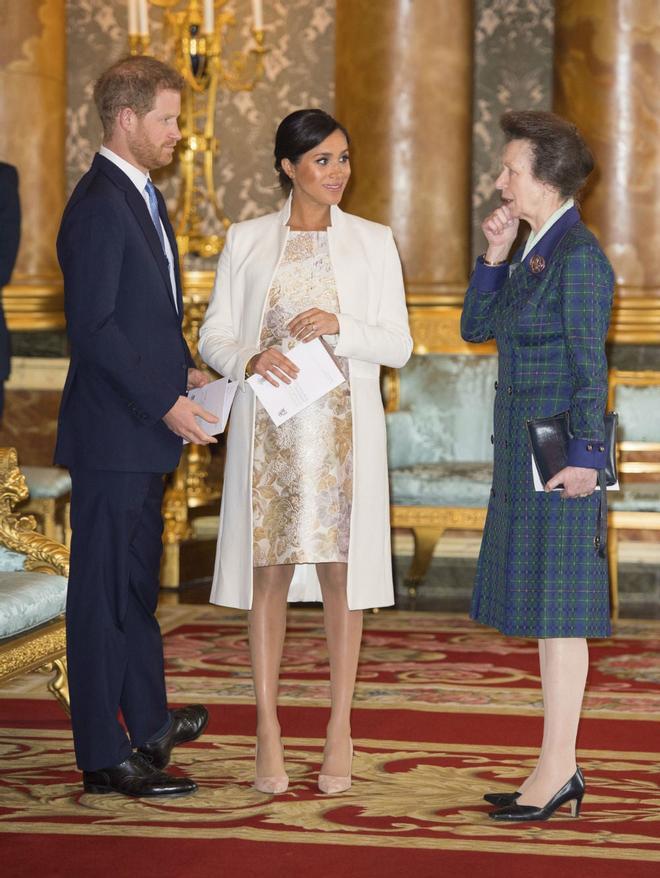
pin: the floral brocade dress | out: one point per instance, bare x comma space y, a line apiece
302, 476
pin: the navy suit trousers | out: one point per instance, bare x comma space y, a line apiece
114, 645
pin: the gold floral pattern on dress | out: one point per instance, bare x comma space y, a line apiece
302, 478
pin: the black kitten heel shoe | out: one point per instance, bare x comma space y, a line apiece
572, 791
501, 800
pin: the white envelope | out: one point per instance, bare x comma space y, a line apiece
216, 397
318, 375
539, 486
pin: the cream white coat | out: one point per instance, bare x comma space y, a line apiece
373, 331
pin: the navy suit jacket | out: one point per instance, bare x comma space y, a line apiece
10, 232
129, 359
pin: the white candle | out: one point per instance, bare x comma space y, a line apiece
143, 18
258, 14
209, 17
132, 17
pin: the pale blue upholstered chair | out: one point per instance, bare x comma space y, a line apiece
439, 422
636, 398
33, 582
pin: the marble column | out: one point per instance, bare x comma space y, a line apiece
607, 81
32, 135
403, 79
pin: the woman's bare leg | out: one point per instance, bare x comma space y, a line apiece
343, 631
266, 629
564, 667
530, 780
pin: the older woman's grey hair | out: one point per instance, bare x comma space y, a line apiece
561, 158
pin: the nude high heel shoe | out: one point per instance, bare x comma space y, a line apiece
331, 784
272, 784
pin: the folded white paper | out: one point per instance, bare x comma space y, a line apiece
539, 486
318, 375
216, 397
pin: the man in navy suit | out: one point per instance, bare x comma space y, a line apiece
122, 418
10, 233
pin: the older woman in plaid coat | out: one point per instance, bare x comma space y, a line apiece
539, 573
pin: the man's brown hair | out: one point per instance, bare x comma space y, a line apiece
132, 82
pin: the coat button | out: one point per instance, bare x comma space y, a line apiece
506, 498
590, 447
509, 390
601, 448
496, 385
506, 443
492, 439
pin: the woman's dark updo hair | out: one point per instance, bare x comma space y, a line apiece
560, 155
299, 132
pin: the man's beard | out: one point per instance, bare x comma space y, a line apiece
147, 153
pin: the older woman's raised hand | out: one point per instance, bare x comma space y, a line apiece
500, 228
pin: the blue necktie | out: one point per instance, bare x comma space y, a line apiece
153, 210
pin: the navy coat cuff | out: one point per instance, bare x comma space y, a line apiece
586, 453
489, 278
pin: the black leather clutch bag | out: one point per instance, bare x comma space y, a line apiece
548, 438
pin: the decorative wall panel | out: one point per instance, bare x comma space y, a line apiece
513, 45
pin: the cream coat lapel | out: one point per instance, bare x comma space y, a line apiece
262, 263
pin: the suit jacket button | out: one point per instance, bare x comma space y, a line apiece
590, 447
492, 439
496, 385
601, 448
509, 390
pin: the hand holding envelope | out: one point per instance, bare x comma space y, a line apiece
216, 397
318, 374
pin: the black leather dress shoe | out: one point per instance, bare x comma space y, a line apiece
501, 800
136, 776
187, 724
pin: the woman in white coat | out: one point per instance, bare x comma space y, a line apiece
305, 506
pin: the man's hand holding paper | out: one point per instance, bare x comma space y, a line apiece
213, 398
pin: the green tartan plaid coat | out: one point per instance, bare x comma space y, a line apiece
539, 574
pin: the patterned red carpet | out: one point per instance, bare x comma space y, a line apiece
445, 710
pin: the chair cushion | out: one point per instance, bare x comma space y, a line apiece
28, 600
636, 497
10, 561
46, 481
639, 413
441, 484
445, 410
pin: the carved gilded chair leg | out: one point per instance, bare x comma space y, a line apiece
425, 540
613, 558
67, 525
59, 685
169, 567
